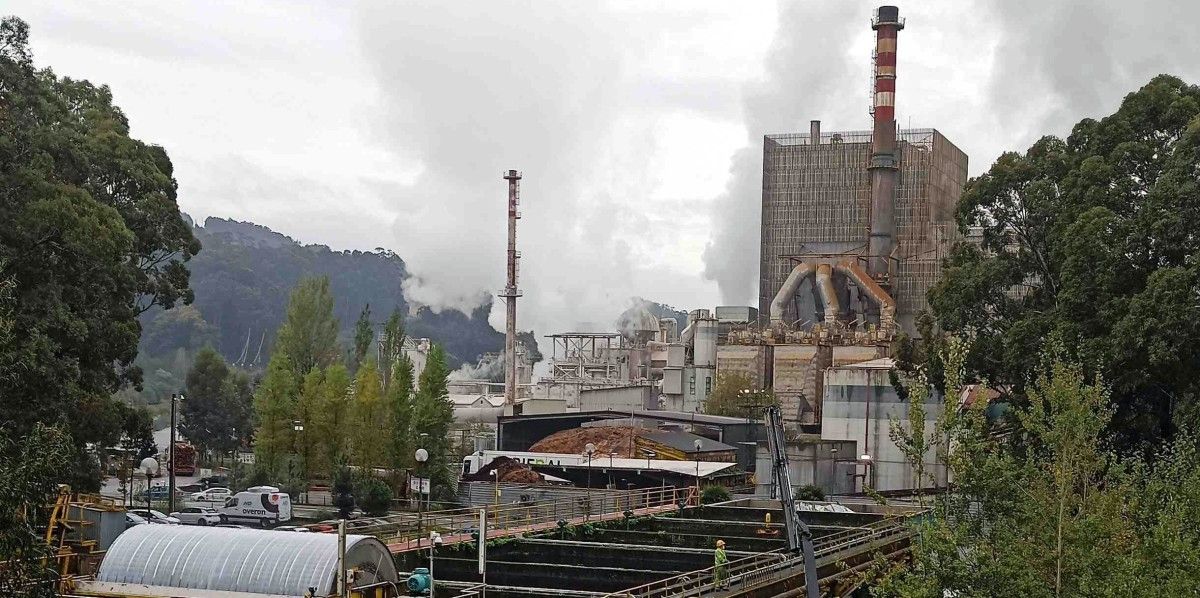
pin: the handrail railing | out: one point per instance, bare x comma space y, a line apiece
759, 567
602, 505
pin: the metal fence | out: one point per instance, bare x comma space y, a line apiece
762, 567
459, 524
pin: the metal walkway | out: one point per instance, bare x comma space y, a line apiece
839, 556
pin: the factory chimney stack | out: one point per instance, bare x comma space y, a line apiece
510, 290
884, 159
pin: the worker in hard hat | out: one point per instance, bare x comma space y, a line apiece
721, 566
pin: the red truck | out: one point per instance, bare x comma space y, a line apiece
185, 459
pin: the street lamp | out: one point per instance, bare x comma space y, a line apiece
697, 444
435, 540
422, 456
175, 398
149, 466
589, 449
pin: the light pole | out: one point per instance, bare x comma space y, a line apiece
589, 449
422, 456
149, 466
697, 443
175, 398
435, 540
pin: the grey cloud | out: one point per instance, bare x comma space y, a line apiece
807, 78
474, 90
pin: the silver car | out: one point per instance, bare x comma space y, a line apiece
154, 516
197, 516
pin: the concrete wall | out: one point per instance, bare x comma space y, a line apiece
750, 360
826, 464
623, 398
858, 405
798, 380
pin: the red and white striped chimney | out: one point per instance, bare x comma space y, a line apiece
884, 161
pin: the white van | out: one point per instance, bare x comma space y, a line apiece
265, 505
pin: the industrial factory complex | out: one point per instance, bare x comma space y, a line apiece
591, 474
855, 225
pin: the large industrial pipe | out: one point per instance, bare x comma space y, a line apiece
884, 162
828, 294
887, 305
788, 290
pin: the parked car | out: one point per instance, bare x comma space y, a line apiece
215, 481
154, 516
212, 495
197, 516
132, 519
160, 492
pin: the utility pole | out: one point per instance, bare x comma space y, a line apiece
511, 292
171, 459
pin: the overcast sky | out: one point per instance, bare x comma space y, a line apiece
637, 124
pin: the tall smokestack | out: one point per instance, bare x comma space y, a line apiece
814, 132
510, 290
884, 162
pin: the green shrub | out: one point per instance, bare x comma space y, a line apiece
374, 496
712, 494
810, 492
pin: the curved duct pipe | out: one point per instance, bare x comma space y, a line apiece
887, 305
688, 332
828, 295
788, 290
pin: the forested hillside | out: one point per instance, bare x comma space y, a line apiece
242, 279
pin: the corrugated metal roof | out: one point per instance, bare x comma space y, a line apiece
686, 441
233, 559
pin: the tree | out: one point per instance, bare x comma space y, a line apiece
370, 419
334, 425
734, 396
182, 327
364, 333
343, 489
308, 336
1043, 512
275, 405
1091, 240
391, 349
90, 236
400, 409
204, 418
375, 496
137, 433
241, 412
432, 416
311, 414
30, 466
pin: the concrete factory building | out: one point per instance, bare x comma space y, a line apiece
816, 208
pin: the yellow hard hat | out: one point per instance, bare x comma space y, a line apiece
720, 542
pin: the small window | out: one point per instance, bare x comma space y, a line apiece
707, 386
692, 384
231, 502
